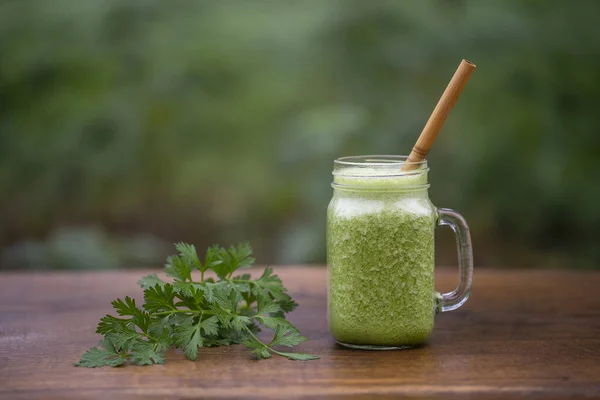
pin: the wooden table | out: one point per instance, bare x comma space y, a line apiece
522, 334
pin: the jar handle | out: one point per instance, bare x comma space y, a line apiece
456, 298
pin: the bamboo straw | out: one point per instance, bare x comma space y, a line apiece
439, 114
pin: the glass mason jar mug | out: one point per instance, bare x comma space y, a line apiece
380, 253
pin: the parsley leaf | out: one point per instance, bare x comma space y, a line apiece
287, 336
188, 337
150, 281
239, 322
145, 353
159, 298
260, 351
190, 314
210, 326
269, 283
272, 322
232, 259
178, 269
106, 355
266, 306
213, 257
188, 253
297, 356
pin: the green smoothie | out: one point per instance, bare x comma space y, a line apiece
380, 249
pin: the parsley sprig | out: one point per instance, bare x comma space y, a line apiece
190, 314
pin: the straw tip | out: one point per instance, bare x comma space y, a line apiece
470, 63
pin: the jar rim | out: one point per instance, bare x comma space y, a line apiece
378, 160
389, 165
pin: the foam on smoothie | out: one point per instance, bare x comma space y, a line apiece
383, 175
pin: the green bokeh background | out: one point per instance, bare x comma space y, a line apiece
128, 125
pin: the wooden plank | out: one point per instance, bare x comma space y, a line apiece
522, 333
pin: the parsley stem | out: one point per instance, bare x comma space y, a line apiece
145, 334
182, 312
226, 279
150, 337
240, 281
255, 338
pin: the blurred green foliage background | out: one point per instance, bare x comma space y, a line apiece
126, 125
